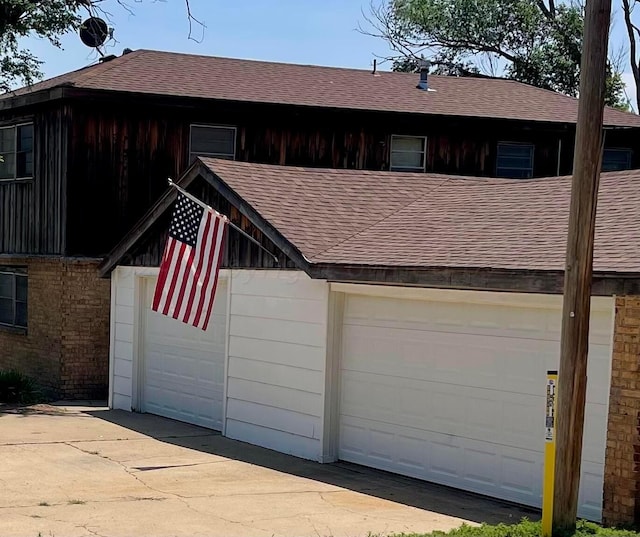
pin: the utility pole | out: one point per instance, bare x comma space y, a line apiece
572, 380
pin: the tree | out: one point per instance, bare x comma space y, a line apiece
538, 42
20, 18
634, 33
48, 19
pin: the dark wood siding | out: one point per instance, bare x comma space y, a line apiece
33, 212
122, 155
100, 163
239, 251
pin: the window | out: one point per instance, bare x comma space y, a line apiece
408, 153
209, 141
616, 159
16, 152
13, 297
514, 160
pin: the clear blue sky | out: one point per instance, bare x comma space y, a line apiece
320, 32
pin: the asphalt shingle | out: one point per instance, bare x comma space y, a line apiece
208, 77
425, 220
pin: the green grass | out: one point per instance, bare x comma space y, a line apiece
76, 502
526, 528
16, 388
44, 504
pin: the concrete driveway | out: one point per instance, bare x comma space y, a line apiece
69, 471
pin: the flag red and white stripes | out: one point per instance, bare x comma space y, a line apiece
190, 265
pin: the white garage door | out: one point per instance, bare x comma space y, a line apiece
183, 366
454, 393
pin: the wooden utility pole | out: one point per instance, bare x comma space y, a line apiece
572, 380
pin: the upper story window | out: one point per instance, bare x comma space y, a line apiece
616, 159
13, 297
212, 141
16, 152
408, 153
514, 160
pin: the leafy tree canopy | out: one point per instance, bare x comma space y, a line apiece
47, 19
537, 42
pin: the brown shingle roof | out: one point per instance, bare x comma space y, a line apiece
423, 220
184, 75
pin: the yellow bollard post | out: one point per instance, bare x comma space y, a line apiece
549, 454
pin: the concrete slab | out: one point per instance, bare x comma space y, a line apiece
84, 470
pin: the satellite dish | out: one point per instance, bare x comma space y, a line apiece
94, 32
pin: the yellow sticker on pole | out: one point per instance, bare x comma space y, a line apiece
549, 453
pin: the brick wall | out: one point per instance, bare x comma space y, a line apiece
622, 460
37, 353
66, 345
85, 311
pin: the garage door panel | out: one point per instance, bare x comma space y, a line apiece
501, 471
412, 454
477, 319
595, 422
520, 472
481, 464
590, 495
599, 367
436, 357
183, 366
454, 393
456, 410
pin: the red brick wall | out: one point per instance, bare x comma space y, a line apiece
622, 460
66, 346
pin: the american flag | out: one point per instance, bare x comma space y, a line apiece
190, 265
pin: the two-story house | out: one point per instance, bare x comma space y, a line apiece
323, 360
85, 154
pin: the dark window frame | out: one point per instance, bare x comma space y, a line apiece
16, 151
415, 169
505, 169
13, 274
628, 151
193, 154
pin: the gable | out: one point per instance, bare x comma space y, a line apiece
144, 245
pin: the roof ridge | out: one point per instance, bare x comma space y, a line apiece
401, 208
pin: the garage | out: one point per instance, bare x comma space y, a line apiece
182, 366
410, 335
450, 390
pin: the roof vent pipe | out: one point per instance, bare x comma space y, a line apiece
424, 74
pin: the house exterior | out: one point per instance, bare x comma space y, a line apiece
407, 326
299, 355
87, 153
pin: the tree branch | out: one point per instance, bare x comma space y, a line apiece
192, 20
548, 12
633, 56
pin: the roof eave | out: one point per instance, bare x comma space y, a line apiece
469, 278
71, 91
33, 98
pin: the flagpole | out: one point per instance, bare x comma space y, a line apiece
207, 207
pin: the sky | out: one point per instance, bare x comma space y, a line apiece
318, 32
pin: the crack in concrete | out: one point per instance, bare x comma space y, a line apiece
81, 441
92, 532
182, 499
113, 500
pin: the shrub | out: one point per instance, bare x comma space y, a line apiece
17, 388
526, 528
